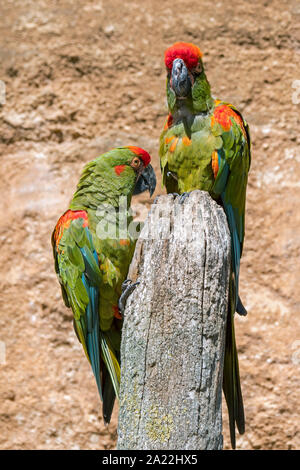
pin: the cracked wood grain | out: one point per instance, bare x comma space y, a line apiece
174, 328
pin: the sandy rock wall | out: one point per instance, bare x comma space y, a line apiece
82, 77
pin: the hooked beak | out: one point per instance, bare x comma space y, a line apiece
181, 82
146, 181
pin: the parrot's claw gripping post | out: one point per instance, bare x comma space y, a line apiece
127, 288
183, 197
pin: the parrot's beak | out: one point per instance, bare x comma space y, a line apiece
181, 82
146, 181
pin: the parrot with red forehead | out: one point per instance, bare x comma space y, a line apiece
92, 251
205, 144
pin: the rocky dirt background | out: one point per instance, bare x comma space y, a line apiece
82, 77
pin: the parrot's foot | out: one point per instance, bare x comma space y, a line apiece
240, 308
127, 288
172, 175
183, 197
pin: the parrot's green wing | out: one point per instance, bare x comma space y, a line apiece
232, 176
233, 162
77, 267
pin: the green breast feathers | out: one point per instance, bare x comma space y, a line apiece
189, 153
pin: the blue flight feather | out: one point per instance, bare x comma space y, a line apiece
92, 315
235, 244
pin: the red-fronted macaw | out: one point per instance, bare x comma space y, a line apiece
205, 145
92, 254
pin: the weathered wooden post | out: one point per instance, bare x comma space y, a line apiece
174, 329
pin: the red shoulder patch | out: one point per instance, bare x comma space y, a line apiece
169, 122
222, 115
64, 222
186, 51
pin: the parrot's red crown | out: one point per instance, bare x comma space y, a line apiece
186, 51
140, 153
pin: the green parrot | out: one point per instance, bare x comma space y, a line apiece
92, 250
205, 144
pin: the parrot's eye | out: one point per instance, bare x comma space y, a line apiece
198, 69
135, 163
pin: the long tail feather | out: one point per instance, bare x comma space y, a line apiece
111, 362
109, 397
231, 377
240, 308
